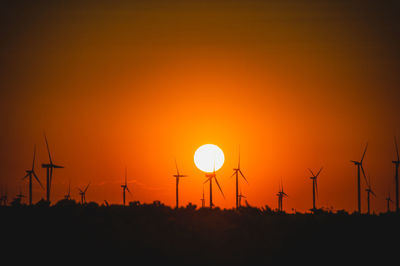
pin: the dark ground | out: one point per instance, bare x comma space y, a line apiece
159, 235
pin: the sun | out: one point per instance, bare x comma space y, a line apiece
209, 157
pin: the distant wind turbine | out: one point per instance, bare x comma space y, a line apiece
177, 177
83, 194
396, 163
49, 171
203, 200
388, 201
360, 167
315, 185
125, 187
20, 196
240, 196
281, 194
31, 173
237, 171
369, 193
68, 196
210, 177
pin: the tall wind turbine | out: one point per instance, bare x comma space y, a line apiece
281, 194
360, 167
49, 171
210, 177
369, 193
396, 178
31, 173
315, 185
83, 194
125, 187
4, 195
237, 171
177, 176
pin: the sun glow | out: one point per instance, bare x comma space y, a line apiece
209, 158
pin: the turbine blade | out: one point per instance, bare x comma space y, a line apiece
37, 179
311, 171
319, 171
365, 177
48, 149
25, 176
316, 188
216, 181
86, 188
126, 174
365, 150
34, 157
239, 158
176, 165
206, 181
240, 171
397, 149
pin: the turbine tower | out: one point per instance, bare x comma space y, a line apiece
281, 194
369, 193
49, 171
396, 178
83, 194
360, 167
210, 177
315, 185
177, 176
31, 173
237, 171
125, 187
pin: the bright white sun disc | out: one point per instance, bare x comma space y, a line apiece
209, 156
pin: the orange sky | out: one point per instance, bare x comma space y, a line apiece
139, 84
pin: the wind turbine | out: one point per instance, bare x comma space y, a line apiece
388, 201
4, 195
396, 178
237, 171
210, 177
203, 200
20, 195
125, 187
31, 173
68, 196
240, 196
360, 166
49, 171
83, 194
177, 176
281, 194
315, 185
369, 193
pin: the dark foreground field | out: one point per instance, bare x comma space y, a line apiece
158, 234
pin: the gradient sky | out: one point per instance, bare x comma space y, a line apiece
138, 83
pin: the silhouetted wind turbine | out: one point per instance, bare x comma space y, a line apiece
49, 171
83, 194
68, 196
4, 195
315, 185
177, 176
369, 193
237, 171
31, 173
125, 187
360, 166
210, 177
396, 163
281, 194
388, 201
203, 200
240, 196
20, 196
